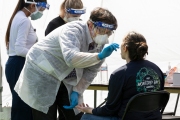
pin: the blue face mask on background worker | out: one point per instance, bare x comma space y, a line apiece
40, 7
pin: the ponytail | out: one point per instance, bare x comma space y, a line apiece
19, 6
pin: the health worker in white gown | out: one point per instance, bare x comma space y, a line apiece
59, 68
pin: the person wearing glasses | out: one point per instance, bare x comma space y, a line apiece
60, 67
20, 37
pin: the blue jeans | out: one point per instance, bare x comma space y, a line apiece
94, 117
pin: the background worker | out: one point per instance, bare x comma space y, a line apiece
70, 10
20, 37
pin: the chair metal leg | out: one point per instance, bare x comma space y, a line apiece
95, 95
175, 108
105, 100
176, 104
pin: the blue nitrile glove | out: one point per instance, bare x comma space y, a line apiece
74, 100
108, 50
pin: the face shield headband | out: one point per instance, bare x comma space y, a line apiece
76, 11
39, 4
103, 25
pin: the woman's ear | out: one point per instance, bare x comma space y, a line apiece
125, 48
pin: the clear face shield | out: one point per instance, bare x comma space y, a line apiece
73, 14
103, 32
40, 5
40, 13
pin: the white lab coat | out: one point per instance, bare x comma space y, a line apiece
50, 60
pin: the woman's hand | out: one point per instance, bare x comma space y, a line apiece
83, 108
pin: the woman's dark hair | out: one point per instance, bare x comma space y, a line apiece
103, 15
136, 45
20, 5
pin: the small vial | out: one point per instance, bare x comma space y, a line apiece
104, 73
97, 79
169, 68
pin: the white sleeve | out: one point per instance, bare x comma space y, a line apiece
70, 41
20, 45
88, 75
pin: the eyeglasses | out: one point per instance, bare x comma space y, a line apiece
103, 31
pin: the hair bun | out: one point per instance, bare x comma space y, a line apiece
142, 49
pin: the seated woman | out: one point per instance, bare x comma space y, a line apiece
137, 76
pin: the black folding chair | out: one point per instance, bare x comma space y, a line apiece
147, 102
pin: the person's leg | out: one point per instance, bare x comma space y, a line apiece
51, 115
78, 116
63, 99
61, 115
94, 117
20, 110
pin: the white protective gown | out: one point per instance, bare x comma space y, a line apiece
50, 60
